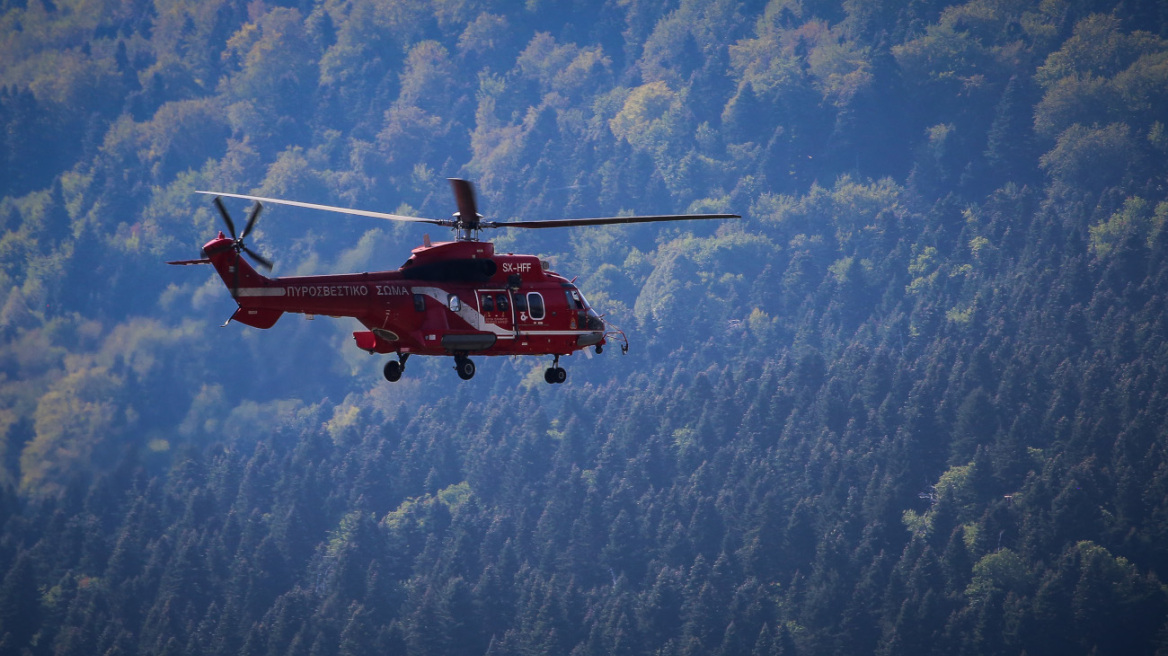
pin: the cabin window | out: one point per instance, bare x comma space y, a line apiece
535, 306
520, 303
488, 302
502, 303
454, 303
420, 302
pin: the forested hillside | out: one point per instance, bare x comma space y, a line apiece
915, 401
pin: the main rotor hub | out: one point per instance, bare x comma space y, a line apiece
467, 230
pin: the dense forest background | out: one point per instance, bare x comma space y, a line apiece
914, 402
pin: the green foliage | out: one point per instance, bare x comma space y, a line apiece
181, 135
73, 420
270, 65
1102, 89
968, 43
566, 69
1136, 221
950, 272
1001, 572
651, 119
1090, 158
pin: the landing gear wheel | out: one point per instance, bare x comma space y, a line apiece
555, 375
392, 371
465, 368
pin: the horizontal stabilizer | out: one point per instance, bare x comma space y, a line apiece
186, 262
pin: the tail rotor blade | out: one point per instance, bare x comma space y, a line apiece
251, 219
226, 216
239, 245
260, 259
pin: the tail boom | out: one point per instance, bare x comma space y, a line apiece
262, 300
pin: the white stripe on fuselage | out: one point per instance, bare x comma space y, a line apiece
474, 318
467, 313
261, 291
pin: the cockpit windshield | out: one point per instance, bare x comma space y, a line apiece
587, 318
576, 300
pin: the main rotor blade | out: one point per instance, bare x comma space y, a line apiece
226, 216
251, 219
468, 212
260, 259
609, 220
330, 208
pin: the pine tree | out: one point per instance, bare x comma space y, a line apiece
20, 605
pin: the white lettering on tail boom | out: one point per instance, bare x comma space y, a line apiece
317, 291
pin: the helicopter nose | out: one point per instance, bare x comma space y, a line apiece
594, 321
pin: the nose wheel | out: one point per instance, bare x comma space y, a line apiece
464, 366
555, 374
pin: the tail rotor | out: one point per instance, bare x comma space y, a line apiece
237, 241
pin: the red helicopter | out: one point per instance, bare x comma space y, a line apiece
454, 298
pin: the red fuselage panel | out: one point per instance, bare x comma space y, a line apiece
448, 298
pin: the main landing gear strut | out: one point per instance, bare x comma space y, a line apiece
394, 368
555, 374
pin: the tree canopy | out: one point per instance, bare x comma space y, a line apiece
914, 402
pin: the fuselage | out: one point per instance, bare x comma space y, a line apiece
448, 298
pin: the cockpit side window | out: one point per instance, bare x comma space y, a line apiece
535, 306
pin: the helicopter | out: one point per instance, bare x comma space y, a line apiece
456, 298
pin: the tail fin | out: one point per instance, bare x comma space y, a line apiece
248, 287
232, 267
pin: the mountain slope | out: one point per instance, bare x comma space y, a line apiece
913, 402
